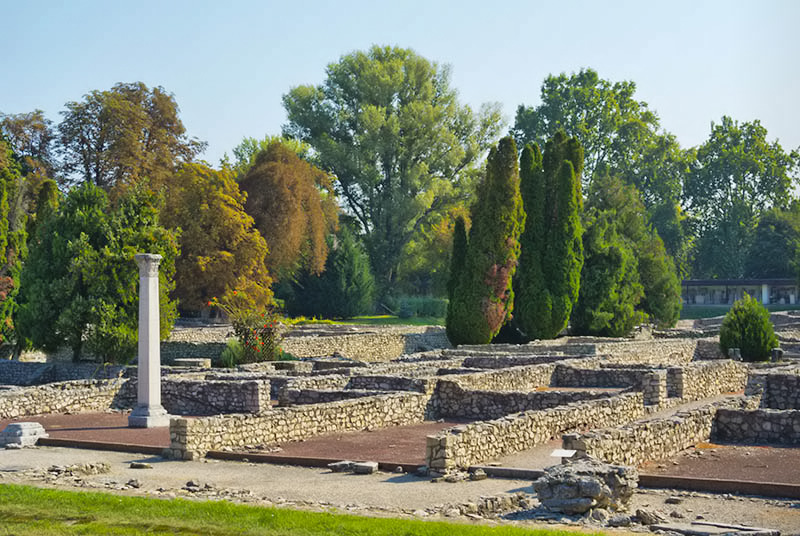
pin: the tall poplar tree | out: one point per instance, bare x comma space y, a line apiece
552, 249
483, 297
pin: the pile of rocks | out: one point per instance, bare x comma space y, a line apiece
583, 485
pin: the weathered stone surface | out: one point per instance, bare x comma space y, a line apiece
22, 434
365, 468
577, 487
341, 467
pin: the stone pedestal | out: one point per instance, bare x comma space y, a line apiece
148, 412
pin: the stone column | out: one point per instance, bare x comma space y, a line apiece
765, 294
148, 412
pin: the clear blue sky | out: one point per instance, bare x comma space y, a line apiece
229, 62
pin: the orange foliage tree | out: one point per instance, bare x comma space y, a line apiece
294, 208
221, 251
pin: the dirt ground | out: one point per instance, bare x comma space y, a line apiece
733, 462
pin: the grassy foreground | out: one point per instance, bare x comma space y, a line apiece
29, 510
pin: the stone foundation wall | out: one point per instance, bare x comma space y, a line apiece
82, 396
392, 383
501, 361
570, 376
206, 397
293, 397
453, 401
652, 351
647, 440
192, 438
469, 444
525, 378
782, 391
777, 427
370, 346
27, 373
698, 380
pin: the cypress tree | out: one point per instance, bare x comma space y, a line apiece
610, 289
483, 297
457, 259
552, 249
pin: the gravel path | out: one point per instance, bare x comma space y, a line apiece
379, 494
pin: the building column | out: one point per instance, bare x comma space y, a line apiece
148, 412
765, 294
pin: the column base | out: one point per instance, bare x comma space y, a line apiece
148, 417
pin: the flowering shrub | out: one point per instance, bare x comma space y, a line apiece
258, 331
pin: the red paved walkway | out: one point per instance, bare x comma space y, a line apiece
106, 428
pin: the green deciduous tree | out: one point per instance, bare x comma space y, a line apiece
116, 137
610, 288
552, 249
620, 136
221, 251
80, 282
294, 209
345, 289
776, 245
657, 272
483, 297
739, 174
387, 124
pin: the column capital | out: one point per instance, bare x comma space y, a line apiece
148, 263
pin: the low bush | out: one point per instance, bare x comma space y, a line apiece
747, 326
258, 332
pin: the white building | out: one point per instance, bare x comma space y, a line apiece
727, 291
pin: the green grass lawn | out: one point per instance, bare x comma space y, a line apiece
692, 312
380, 320
29, 510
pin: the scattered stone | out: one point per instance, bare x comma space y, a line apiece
577, 487
365, 468
676, 514
620, 520
133, 483
673, 500
399, 469
420, 513
599, 514
341, 467
478, 474
452, 478
22, 434
649, 517
140, 465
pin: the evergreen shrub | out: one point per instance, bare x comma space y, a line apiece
747, 326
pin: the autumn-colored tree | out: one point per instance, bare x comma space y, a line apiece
221, 251
294, 209
115, 138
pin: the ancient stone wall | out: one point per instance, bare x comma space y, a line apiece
454, 401
192, 438
770, 426
469, 444
207, 397
526, 378
646, 440
82, 396
291, 397
571, 376
698, 380
378, 344
653, 351
26, 373
392, 383
782, 391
